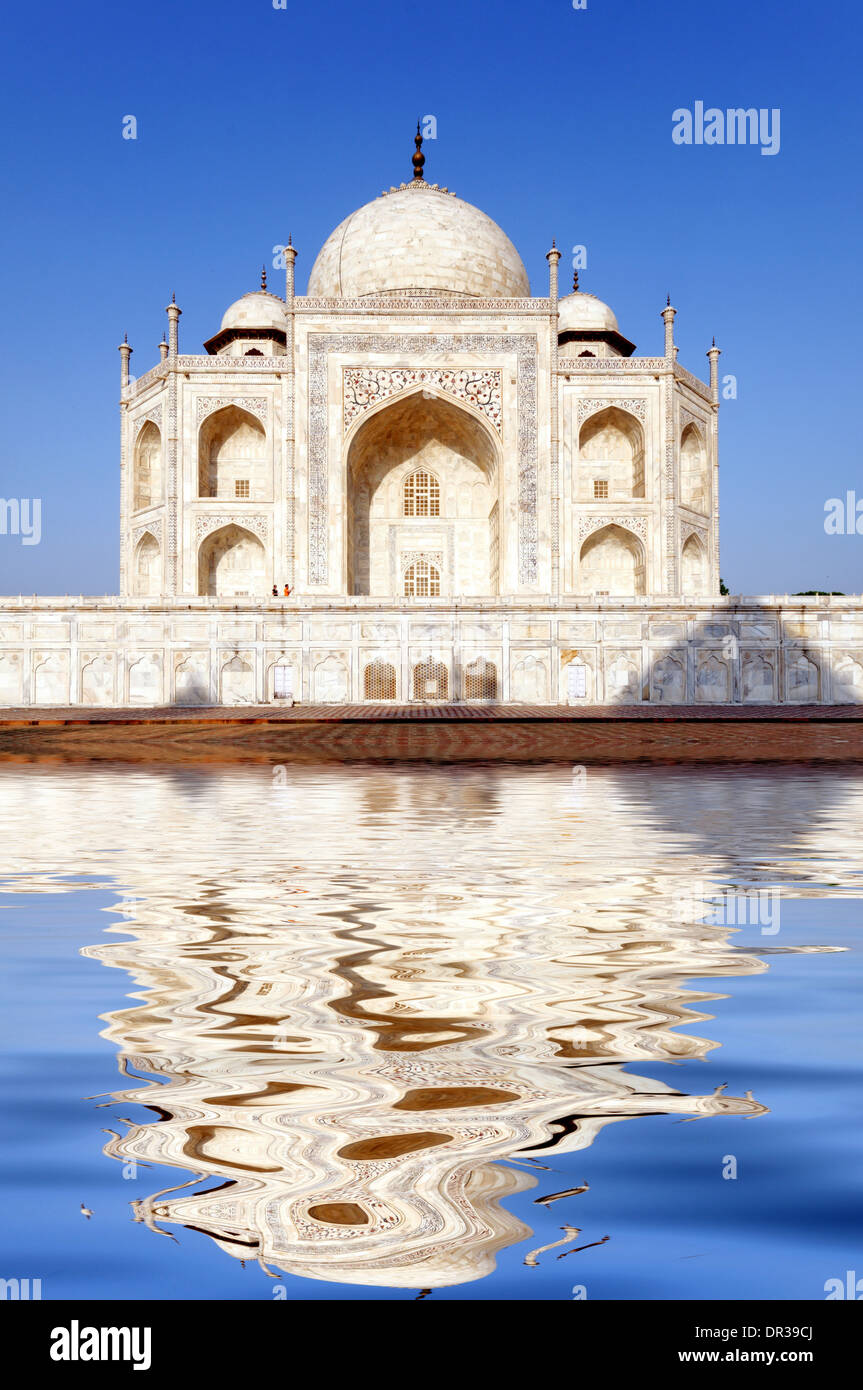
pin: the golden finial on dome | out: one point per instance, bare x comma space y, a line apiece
264, 278
419, 158
575, 282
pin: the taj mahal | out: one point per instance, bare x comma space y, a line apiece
422, 481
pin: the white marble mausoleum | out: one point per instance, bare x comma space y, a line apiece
470, 490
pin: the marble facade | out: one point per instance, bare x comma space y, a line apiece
475, 488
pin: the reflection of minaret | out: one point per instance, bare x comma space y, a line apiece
361, 998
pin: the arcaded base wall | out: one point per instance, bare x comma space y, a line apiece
197, 652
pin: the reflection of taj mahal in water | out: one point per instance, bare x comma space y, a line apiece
356, 1065
473, 492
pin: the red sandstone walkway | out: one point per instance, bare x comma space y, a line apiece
375, 713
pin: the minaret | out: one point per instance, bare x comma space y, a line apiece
290, 259
670, 471
668, 315
172, 454
553, 258
713, 354
125, 354
163, 349
173, 312
288, 413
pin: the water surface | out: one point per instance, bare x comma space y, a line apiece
478, 1032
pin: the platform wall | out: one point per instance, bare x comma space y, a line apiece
111, 652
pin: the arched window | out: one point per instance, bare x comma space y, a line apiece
422, 580
253, 352
422, 494
587, 354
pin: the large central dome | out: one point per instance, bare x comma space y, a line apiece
418, 239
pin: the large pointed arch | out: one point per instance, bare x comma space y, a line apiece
422, 432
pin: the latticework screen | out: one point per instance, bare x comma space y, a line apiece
379, 681
431, 681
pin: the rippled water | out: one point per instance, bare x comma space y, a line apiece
373, 1032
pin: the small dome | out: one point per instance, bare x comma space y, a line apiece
418, 239
585, 313
259, 309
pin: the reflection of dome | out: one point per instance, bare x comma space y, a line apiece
259, 309
586, 313
423, 239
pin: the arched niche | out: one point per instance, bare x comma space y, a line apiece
232, 456
147, 470
694, 489
147, 567
612, 562
693, 568
422, 474
611, 451
231, 564
529, 683
237, 682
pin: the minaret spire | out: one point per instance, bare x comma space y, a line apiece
419, 158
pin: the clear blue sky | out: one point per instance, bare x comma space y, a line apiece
253, 122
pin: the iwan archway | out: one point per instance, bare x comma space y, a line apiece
423, 481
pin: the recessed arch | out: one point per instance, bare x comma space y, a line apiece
422, 435
232, 455
237, 682
147, 468
231, 563
612, 562
147, 567
693, 567
694, 484
611, 450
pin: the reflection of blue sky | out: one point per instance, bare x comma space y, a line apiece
791, 1035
